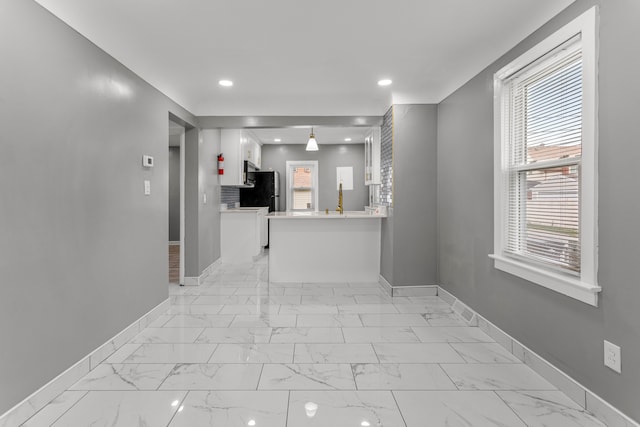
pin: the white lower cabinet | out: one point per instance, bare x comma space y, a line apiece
264, 224
243, 234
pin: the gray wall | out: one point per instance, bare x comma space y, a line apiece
191, 203
329, 157
414, 193
566, 332
83, 252
409, 237
209, 212
174, 194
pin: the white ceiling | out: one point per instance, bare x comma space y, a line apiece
297, 57
324, 135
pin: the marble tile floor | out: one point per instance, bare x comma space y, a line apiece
239, 351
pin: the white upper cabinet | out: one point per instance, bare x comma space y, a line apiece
372, 157
237, 146
252, 150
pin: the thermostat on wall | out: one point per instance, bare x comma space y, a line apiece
147, 161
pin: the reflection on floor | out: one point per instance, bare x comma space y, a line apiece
174, 263
238, 351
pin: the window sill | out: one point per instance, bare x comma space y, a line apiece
573, 288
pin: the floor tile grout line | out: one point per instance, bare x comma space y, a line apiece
449, 376
128, 390
398, 406
125, 359
213, 352
61, 415
168, 375
495, 392
314, 363
184, 398
260, 377
243, 389
353, 374
376, 353
458, 353
286, 421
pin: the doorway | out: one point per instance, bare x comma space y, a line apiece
176, 203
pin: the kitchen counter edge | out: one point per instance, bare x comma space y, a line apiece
323, 215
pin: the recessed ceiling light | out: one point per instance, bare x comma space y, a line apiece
225, 83
276, 140
384, 82
347, 139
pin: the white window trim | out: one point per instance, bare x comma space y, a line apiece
295, 163
585, 288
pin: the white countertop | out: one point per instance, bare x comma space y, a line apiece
244, 210
323, 215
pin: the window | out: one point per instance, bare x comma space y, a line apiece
545, 163
302, 185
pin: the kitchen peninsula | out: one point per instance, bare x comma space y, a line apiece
321, 247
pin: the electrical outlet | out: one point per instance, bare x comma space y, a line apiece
612, 356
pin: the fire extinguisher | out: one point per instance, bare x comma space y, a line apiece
220, 164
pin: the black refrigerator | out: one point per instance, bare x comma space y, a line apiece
265, 192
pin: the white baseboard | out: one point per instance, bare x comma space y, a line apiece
415, 291
408, 291
45, 394
584, 397
197, 281
385, 284
191, 281
446, 296
214, 265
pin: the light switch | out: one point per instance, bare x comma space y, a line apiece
147, 187
204, 198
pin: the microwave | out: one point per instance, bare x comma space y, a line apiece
249, 174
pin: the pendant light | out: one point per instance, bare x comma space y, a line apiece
312, 144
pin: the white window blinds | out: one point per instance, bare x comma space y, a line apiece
302, 185
542, 104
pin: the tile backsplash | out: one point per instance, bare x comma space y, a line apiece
230, 196
386, 159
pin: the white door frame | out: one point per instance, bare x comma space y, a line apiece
182, 186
